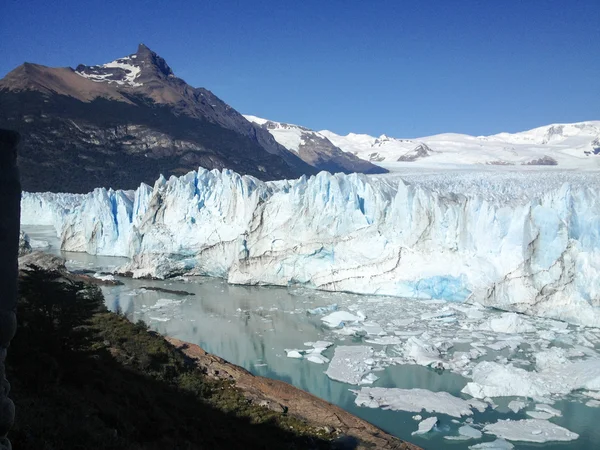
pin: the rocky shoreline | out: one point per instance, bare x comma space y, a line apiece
283, 397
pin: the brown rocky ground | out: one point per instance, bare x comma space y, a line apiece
280, 396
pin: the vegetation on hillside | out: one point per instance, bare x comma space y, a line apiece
86, 378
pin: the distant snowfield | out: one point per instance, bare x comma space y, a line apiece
569, 146
574, 145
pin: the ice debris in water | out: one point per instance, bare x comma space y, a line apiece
350, 363
469, 432
413, 400
516, 405
322, 309
530, 430
340, 318
508, 323
426, 425
491, 379
498, 444
293, 353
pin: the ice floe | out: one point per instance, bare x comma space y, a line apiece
498, 444
530, 430
414, 400
425, 426
350, 363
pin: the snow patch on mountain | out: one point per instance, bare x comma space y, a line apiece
568, 145
126, 72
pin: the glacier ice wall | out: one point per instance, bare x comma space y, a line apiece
534, 250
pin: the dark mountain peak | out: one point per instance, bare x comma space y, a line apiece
151, 60
135, 70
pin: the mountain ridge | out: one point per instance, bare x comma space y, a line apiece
125, 122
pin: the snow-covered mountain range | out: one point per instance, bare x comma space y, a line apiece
314, 148
567, 145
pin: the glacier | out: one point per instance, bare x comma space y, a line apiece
527, 242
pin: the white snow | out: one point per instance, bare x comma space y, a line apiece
289, 135
570, 145
426, 425
132, 72
522, 243
530, 430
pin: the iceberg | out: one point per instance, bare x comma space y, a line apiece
350, 363
413, 400
425, 426
530, 430
527, 244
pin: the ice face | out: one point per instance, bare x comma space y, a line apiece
524, 244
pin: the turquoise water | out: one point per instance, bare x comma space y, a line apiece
252, 327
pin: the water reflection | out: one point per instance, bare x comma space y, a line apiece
252, 327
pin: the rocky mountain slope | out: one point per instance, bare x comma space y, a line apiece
125, 122
315, 148
575, 145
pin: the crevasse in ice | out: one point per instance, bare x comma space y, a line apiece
533, 249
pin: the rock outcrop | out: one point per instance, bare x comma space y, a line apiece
10, 198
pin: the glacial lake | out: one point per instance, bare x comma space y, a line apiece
253, 327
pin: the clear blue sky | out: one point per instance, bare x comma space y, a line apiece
404, 68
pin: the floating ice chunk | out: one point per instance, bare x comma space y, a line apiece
539, 415
417, 417
422, 353
437, 314
498, 444
508, 323
469, 432
165, 302
403, 322
159, 319
474, 312
491, 379
530, 430
414, 400
548, 409
554, 357
516, 405
481, 406
319, 345
104, 277
593, 403
370, 378
373, 329
426, 425
317, 358
592, 394
385, 340
293, 353
38, 244
323, 309
339, 318
350, 363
